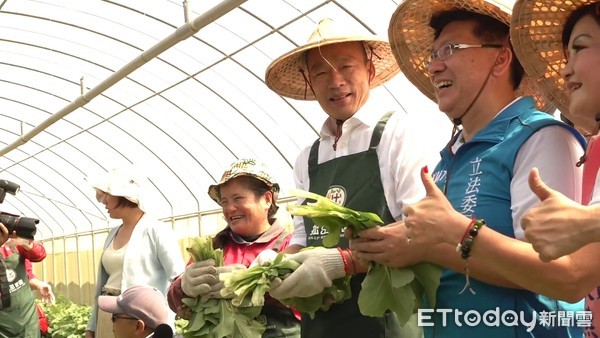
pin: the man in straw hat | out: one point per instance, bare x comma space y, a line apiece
366, 158
564, 58
459, 53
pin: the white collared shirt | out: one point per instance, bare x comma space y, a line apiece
402, 152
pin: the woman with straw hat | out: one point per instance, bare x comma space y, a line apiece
459, 53
560, 226
247, 194
366, 158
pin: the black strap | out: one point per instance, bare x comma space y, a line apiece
313, 158
376, 137
4, 290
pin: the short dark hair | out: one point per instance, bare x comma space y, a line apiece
124, 202
590, 9
487, 28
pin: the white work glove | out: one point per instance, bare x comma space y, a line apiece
201, 279
318, 270
46, 293
264, 258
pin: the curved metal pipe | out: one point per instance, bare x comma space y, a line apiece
182, 33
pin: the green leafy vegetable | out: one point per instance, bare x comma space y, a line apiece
218, 318
331, 216
251, 285
384, 288
202, 249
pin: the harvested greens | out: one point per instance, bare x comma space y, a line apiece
384, 288
218, 318
250, 286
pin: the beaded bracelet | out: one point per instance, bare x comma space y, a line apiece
464, 247
465, 244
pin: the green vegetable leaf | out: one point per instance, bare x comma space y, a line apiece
338, 292
400, 290
331, 216
428, 275
385, 289
218, 318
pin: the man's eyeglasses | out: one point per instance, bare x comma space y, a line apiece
448, 49
115, 316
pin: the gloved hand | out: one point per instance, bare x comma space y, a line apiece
319, 268
216, 290
46, 293
201, 279
264, 258
198, 277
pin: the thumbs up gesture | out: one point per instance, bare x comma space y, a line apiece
551, 227
433, 220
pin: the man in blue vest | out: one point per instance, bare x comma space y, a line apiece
459, 53
366, 158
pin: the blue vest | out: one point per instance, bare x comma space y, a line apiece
476, 181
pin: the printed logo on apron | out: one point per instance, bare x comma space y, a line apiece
337, 194
11, 275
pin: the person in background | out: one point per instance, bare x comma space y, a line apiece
41, 286
470, 221
46, 293
367, 158
19, 318
248, 195
560, 226
142, 250
140, 311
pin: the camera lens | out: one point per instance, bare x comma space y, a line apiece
25, 227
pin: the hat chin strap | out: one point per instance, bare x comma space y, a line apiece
307, 84
457, 121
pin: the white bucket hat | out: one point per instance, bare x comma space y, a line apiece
125, 182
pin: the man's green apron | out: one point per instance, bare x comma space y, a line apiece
20, 320
353, 181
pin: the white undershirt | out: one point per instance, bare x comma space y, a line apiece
112, 260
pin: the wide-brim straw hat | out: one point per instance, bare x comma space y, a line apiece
412, 38
244, 167
536, 32
284, 75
